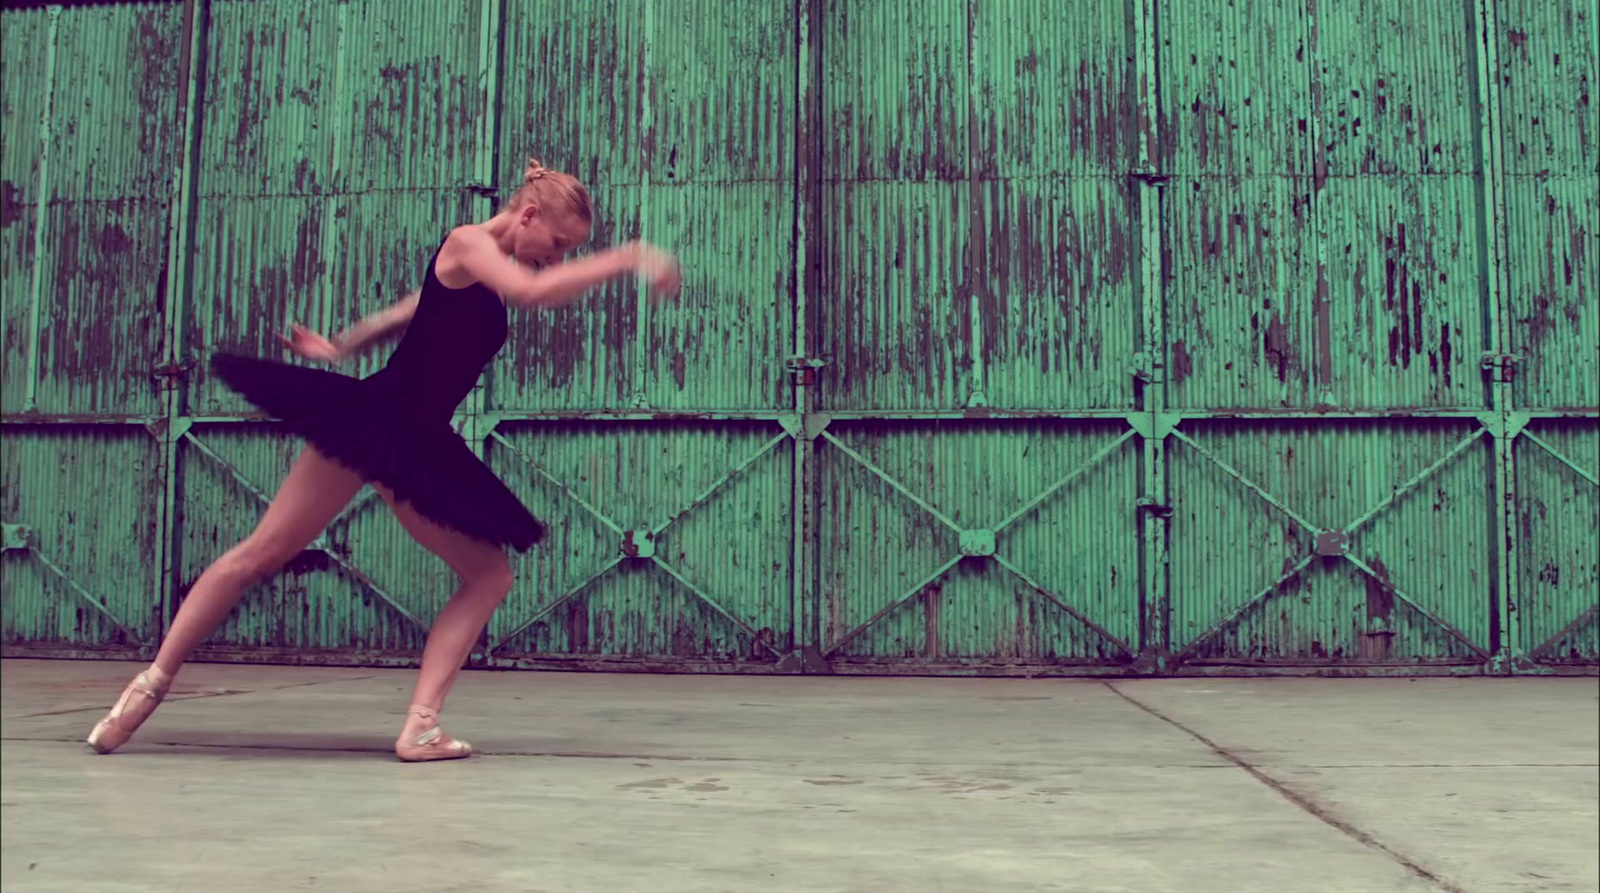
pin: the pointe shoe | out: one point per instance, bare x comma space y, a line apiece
138, 701
432, 744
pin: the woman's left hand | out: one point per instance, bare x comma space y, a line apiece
313, 346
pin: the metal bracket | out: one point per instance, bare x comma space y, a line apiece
16, 537
804, 369
805, 426
1150, 178
976, 543
638, 544
1333, 543
1505, 427
1502, 366
1151, 506
171, 376
1154, 425
807, 659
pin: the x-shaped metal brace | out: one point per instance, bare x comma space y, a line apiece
979, 543
1329, 543
637, 543
20, 538
320, 544
1588, 616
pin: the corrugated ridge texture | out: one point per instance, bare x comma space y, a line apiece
1057, 306
1549, 125
90, 495
1051, 89
1433, 543
1358, 286
1558, 516
307, 99
875, 544
699, 103
895, 267
24, 91
734, 546
111, 143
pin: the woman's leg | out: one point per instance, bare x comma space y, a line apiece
485, 581
313, 493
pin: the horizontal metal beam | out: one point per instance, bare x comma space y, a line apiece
976, 414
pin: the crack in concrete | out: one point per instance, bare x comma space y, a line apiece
1311, 807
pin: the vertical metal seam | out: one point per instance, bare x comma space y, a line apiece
1492, 189
977, 282
1153, 539
339, 190
641, 346
805, 86
42, 212
179, 288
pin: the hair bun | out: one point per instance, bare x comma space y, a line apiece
535, 171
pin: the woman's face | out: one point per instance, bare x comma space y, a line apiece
544, 240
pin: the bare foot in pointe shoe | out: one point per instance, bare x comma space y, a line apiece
421, 739
138, 701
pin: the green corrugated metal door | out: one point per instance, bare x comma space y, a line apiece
1549, 124
89, 140
1166, 337
978, 476
650, 434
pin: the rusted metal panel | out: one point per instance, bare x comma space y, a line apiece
1052, 99
995, 543
1554, 234
80, 505
895, 255
323, 600
1558, 515
667, 542
572, 91
1546, 82
1331, 543
1056, 284
93, 144
725, 340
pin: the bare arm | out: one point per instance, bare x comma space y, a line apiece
386, 323
390, 322
471, 255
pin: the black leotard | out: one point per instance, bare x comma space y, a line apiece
393, 427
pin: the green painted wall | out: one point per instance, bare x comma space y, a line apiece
1017, 336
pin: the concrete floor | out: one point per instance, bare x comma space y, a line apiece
256, 779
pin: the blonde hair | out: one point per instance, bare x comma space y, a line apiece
551, 190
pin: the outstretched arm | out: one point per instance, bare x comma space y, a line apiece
471, 255
390, 322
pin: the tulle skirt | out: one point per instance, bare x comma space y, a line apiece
375, 434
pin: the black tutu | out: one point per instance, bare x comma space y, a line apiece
360, 425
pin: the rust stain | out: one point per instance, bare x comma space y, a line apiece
1277, 347
578, 625
1402, 297
1182, 365
10, 204
1322, 314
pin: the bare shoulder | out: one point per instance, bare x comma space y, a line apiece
454, 266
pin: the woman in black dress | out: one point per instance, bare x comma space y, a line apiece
392, 431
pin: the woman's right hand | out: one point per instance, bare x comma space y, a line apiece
658, 268
313, 346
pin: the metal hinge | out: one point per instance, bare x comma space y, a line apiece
1502, 366
169, 377
804, 369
